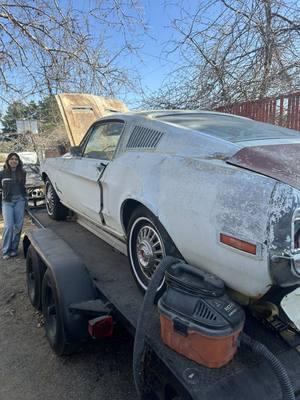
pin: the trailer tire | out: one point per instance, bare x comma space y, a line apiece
55, 209
54, 322
35, 270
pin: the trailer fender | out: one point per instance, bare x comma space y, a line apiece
70, 277
35, 271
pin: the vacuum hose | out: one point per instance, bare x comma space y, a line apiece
147, 310
278, 368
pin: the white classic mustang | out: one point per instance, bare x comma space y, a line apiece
221, 192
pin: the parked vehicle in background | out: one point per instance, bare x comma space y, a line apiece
34, 182
221, 192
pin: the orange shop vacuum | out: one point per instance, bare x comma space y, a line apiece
197, 317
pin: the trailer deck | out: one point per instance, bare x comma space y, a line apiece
246, 377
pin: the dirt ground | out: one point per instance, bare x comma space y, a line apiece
29, 370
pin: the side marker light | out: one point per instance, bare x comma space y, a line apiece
238, 244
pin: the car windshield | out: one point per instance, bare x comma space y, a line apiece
230, 128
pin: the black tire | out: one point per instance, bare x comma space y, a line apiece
55, 209
54, 318
35, 270
144, 256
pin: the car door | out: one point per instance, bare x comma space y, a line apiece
82, 188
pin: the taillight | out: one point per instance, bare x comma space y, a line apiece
101, 326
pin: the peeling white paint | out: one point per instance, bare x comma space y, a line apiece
284, 200
195, 194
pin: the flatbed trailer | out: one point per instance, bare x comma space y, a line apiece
168, 374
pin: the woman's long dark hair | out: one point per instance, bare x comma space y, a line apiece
19, 170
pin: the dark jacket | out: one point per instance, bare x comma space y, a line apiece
5, 184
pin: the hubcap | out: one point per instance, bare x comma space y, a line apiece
150, 250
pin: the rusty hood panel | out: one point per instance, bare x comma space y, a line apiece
80, 110
279, 161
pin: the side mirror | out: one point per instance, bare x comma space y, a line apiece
75, 151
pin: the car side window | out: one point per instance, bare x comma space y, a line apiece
103, 140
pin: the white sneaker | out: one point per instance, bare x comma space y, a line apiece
5, 257
13, 254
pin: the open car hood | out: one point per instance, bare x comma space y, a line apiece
279, 161
80, 110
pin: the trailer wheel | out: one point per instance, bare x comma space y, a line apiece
54, 319
147, 244
55, 209
35, 270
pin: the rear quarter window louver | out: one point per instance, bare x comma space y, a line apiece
144, 138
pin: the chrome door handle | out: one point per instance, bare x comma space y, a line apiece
101, 166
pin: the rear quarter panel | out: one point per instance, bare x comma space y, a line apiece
205, 198
196, 199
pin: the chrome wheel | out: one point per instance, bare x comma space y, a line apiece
149, 249
50, 198
148, 243
146, 249
55, 209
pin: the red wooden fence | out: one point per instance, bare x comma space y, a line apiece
282, 110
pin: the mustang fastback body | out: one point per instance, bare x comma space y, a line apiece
221, 192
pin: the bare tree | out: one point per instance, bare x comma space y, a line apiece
47, 46
232, 50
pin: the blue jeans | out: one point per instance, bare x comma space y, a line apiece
13, 217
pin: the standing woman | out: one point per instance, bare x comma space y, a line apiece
12, 183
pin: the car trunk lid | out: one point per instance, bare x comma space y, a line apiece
278, 161
80, 110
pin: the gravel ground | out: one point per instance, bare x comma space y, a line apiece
29, 370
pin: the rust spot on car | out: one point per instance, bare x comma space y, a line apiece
280, 161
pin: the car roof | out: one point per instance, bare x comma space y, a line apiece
228, 127
153, 114
80, 110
